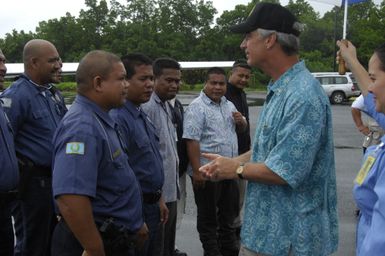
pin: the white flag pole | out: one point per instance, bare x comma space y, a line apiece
345, 19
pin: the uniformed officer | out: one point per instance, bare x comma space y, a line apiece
95, 188
35, 108
143, 144
9, 175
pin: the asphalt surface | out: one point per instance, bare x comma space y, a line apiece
348, 154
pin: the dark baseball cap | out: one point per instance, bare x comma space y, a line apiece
268, 16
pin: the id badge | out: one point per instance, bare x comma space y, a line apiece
361, 176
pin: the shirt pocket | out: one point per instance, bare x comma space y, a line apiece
142, 142
40, 114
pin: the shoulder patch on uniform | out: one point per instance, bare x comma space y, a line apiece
76, 148
6, 102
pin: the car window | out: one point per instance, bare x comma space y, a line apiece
341, 80
326, 80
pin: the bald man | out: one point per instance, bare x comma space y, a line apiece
94, 186
35, 108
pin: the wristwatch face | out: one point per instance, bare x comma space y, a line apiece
240, 171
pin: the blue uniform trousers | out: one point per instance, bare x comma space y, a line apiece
64, 243
151, 214
34, 218
165, 244
6, 230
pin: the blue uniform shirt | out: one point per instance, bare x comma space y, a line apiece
34, 114
294, 138
89, 160
369, 194
9, 173
142, 146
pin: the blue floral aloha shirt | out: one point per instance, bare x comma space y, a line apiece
294, 139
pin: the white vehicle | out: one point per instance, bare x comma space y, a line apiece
338, 88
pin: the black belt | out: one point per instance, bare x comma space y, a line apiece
40, 171
7, 197
152, 198
25, 164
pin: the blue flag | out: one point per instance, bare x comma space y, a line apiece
339, 2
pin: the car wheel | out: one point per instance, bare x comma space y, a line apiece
337, 97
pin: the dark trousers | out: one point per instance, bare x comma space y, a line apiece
64, 243
34, 218
218, 206
6, 230
151, 214
166, 233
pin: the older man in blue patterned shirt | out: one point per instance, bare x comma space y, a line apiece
210, 126
291, 195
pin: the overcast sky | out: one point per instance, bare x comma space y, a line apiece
26, 14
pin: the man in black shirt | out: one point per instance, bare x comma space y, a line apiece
238, 80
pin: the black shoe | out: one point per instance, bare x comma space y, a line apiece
179, 253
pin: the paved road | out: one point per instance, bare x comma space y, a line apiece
348, 155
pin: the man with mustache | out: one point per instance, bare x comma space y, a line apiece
35, 107
143, 145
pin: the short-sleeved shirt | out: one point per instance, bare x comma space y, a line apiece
369, 195
294, 139
142, 146
376, 132
34, 112
370, 109
161, 116
9, 173
213, 125
89, 160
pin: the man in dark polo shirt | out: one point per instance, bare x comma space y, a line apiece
238, 80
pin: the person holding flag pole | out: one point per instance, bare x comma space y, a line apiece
368, 191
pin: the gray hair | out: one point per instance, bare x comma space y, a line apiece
288, 42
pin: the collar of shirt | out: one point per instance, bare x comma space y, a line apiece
280, 85
233, 89
156, 98
132, 108
96, 109
37, 89
209, 101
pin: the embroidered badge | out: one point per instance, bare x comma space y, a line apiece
116, 154
6, 102
76, 148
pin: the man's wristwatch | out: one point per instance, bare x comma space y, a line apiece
240, 171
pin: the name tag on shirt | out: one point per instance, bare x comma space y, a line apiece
361, 176
76, 148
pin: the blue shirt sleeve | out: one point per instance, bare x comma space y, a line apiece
76, 173
16, 109
374, 242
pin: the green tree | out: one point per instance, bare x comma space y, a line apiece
13, 44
